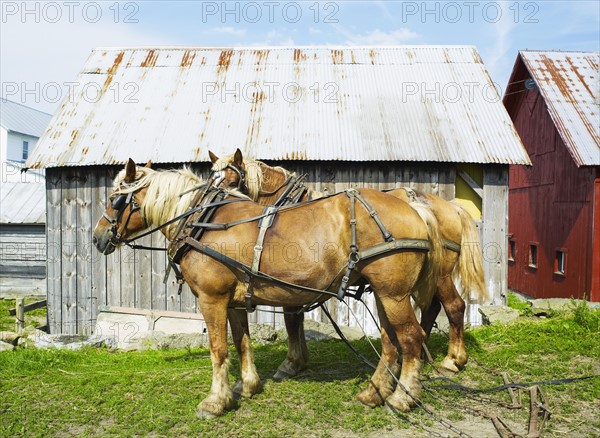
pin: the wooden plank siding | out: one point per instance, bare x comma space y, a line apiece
69, 251
127, 278
98, 295
23, 251
85, 251
495, 231
54, 250
551, 206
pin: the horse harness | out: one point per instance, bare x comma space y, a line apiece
192, 227
120, 203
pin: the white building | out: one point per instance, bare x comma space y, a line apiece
22, 202
20, 129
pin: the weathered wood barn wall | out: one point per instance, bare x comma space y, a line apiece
368, 137
555, 205
22, 238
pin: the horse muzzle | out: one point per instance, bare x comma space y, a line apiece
103, 242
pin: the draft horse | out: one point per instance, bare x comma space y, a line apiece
145, 198
461, 258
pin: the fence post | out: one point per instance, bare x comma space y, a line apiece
20, 315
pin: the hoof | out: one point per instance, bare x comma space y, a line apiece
448, 367
214, 407
239, 391
204, 415
374, 395
286, 371
395, 410
398, 403
282, 375
371, 398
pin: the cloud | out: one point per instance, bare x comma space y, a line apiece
229, 30
380, 38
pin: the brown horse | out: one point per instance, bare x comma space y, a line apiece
145, 198
265, 185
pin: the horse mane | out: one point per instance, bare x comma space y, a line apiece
255, 176
162, 201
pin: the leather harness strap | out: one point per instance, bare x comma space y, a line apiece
389, 245
264, 224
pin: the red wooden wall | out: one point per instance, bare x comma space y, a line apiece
551, 204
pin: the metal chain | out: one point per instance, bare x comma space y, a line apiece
417, 401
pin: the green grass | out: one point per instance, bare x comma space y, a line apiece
96, 392
524, 307
7, 322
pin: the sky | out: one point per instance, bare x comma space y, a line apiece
43, 45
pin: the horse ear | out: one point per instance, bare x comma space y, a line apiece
149, 164
238, 160
213, 157
130, 171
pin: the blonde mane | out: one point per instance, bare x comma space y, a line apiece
255, 177
162, 201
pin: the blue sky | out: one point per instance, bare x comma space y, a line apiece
46, 43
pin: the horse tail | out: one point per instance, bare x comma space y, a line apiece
468, 272
427, 284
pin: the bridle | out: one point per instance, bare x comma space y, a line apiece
120, 204
241, 184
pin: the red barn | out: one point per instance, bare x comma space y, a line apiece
554, 206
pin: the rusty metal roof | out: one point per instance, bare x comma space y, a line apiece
570, 85
315, 103
23, 203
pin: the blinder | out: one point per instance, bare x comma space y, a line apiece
241, 185
118, 202
219, 175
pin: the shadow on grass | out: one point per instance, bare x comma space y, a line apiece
329, 361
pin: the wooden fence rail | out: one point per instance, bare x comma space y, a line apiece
21, 308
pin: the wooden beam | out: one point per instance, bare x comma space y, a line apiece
471, 182
30, 307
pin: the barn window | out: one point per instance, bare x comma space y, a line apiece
560, 264
511, 250
533, 255
25, 150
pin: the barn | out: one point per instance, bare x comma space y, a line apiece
424, 117
554, 241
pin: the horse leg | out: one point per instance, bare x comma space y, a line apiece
383, 381
454, 306
410, 336
249, 383
220, 398
429, 315
297, 356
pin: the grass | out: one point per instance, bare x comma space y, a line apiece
97, 392
523, 306
7, 322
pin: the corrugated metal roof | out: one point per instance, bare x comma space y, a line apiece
22, 203
314, 103
570, 85
20, 118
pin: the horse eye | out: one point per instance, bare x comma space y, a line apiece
118, 202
